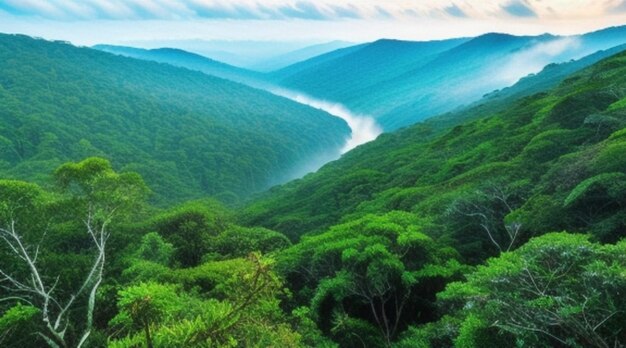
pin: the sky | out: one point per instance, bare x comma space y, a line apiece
88, 22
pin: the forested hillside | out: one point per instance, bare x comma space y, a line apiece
427, 237
550, 154
188, 134
502, 224
400, 83
394, 221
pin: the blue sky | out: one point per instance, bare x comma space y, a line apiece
115, 21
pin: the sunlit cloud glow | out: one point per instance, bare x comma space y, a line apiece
305, 9
87, 22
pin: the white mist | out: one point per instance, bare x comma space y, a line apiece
364, 128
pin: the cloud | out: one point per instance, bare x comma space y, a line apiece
455, 10
363, 128
72, 10
621, 7
302, 10
218, 11
348, 11
31, 7
382, 13
519, 9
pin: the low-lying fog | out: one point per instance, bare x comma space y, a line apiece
364, 128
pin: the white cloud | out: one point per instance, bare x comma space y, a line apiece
310, 9
89, 22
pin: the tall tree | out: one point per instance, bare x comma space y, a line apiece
101, 195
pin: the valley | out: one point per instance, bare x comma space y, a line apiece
177, 188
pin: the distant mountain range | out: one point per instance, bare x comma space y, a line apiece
497, 101
249, 54
400, 83
181, 58
293, 57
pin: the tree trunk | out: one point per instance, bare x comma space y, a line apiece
146, 326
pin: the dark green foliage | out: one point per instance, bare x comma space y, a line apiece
377, 273
154, 249
188, 134
202, 230
573, 110
237, 241
188, 228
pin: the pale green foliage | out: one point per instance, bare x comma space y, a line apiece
146, 303
16, 325
154, 249
93, 182
607, 187
306, 326
234, 303
556, 289
95, 197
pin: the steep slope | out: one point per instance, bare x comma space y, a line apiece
551, 76
450, 79
187, 133
184, 59
435, 77
556, 154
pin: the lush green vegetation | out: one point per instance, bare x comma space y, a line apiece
428, 237
546, 154
488, 188
154, 288
188, 134
379, 280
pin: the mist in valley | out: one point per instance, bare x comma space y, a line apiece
363, 129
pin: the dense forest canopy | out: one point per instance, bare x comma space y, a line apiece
498, 225
189, 134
